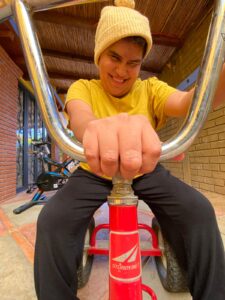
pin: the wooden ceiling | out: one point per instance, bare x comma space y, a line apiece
66, 37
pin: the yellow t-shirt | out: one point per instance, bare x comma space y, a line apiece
147, 97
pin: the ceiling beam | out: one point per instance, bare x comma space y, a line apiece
7, 34
19, 60
80, 58
69, 76
72, 76
65, 20
166, 40
91, 24
68, 56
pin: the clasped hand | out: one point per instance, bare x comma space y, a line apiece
121, 143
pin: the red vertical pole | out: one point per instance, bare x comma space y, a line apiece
124, 244
124, 254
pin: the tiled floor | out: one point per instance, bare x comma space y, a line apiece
17, 236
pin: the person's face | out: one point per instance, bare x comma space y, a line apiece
119, 67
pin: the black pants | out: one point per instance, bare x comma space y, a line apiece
186, 217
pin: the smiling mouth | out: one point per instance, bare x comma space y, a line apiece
118, 80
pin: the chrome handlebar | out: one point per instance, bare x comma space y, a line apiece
205, 86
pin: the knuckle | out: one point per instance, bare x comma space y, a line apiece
90, 155
153, 151
156, 151
95, 126
131, 160
123, 117
109, 158
92, 124
141, 118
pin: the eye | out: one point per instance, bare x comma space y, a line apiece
114, 57
134, 64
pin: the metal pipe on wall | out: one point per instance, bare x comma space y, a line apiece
205, 86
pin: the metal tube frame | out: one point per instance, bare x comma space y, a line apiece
203, 96
37, 5
121, 199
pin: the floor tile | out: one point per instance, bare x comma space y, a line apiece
17, 237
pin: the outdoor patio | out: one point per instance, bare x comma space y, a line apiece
17, 236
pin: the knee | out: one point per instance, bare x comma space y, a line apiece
199, 210
51, 219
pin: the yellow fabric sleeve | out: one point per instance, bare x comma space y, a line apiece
79, 90
160, 91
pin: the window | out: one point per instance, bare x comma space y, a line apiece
29, 127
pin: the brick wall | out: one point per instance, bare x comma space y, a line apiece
9, 74
204, 164
207, 155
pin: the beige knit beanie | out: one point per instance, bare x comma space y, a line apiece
120, 21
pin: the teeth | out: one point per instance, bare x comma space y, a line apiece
118, 80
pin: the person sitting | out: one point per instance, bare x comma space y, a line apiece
116, 118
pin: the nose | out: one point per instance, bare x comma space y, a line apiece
121, 70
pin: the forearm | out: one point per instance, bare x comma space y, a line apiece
80, 115
79, 128
186, 102
220, 90
178, 103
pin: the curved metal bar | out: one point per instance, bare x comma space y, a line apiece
205, 87
43, 90
212, 62
37, 5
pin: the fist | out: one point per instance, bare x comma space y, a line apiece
121, 143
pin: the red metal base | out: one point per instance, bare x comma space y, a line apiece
125, 253
148, 290
154, 251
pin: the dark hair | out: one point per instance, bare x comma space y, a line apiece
138, 40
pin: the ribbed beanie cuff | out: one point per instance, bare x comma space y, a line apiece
117, 22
